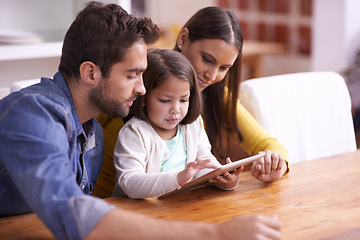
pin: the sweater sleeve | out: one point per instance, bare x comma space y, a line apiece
203, 149
255, 137
137, 159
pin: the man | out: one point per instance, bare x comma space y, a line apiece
51, 147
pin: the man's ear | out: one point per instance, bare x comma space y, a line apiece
183, 38
89, 73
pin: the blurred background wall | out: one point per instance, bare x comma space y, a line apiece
315, 34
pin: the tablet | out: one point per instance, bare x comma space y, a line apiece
217, 172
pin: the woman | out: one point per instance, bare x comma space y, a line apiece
212, 40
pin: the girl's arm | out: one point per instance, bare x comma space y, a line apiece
137, 160
229, 180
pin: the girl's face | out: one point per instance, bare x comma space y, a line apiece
167, 105
211, 59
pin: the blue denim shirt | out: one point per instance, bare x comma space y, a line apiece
49, 161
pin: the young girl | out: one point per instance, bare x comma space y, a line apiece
164, 144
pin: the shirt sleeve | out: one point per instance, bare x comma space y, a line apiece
86, 220
203, 143
34, 147
137, 160
255, 137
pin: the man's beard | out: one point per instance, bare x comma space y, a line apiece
100, 98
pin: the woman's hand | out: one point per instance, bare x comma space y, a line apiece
269, 168
193, 168
228, 180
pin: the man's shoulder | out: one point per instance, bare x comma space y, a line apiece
47, 93
40, 101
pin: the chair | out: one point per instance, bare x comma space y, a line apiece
4, 92
23, 83
15, 86
309, 112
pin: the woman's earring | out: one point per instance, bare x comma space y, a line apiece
179, 47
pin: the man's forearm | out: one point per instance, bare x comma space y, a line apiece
121, 224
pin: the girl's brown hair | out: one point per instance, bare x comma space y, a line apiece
162, 64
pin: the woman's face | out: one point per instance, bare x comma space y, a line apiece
211, 59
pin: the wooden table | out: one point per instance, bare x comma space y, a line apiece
318, 199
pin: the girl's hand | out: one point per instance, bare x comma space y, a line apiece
193, 168
269, 168
227, 180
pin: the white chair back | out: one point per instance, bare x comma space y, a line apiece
16, 86
4, 92
309, 113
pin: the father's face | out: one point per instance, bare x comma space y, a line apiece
116, 94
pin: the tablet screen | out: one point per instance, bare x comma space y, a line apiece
217, 172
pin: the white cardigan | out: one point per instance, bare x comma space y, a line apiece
139, 152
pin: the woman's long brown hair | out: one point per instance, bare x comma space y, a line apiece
217, 23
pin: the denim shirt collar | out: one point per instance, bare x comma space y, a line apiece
60, 81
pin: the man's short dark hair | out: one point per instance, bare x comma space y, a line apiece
102, 34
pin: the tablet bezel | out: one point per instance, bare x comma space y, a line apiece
217, 172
